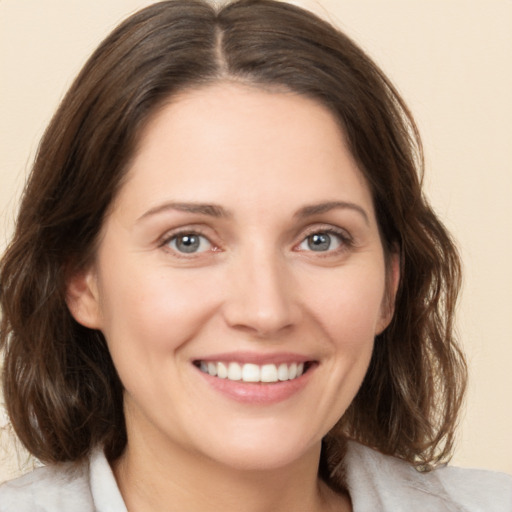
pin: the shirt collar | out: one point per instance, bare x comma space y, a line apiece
104, 489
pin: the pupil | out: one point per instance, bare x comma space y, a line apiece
188, 243
319, 242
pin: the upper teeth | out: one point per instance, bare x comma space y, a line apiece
250, 372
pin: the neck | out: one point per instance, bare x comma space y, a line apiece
153, 479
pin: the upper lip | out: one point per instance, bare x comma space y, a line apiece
256, 358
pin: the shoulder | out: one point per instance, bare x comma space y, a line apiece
477, 489
54, 488
381, 482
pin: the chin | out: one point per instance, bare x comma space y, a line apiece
262, 449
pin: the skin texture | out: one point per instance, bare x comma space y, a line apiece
253, 289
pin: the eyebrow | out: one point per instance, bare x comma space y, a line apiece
319, 208
211, 210
217, 211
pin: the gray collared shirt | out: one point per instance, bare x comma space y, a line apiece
377, 483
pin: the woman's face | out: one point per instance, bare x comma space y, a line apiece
240, 278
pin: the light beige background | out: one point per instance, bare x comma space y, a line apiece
451, 59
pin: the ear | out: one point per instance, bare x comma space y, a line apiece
82, 298
392, 282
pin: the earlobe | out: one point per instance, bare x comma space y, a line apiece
82, 298
392, 283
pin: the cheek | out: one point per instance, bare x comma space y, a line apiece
349, 305
154, 310
348, 310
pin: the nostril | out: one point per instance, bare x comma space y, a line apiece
258, 322
259, 298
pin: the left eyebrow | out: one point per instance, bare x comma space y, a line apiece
319, 208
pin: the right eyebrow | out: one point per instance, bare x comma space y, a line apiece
212, 210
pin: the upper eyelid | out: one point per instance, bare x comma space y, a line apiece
326, 228
184, 230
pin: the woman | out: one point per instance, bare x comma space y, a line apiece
225, 289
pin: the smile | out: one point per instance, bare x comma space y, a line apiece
250, 372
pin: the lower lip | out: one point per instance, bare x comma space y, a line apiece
258, 392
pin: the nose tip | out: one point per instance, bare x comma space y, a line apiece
261, 301
261, 321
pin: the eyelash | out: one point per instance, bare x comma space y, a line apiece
170, 237
345, 241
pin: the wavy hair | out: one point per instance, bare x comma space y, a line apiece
61, 389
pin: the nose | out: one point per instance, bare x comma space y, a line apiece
260, 296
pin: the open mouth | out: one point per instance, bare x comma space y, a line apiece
254, 373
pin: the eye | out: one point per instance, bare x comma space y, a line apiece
189, 243
322, 241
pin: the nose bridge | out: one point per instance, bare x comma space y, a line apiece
260, 296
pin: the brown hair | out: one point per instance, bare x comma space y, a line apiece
62, 391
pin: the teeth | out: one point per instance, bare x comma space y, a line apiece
252, 372
212, 369
234, 371
222, 371
282, 372
269, 373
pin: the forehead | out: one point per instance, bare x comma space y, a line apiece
228, 141
239, 111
